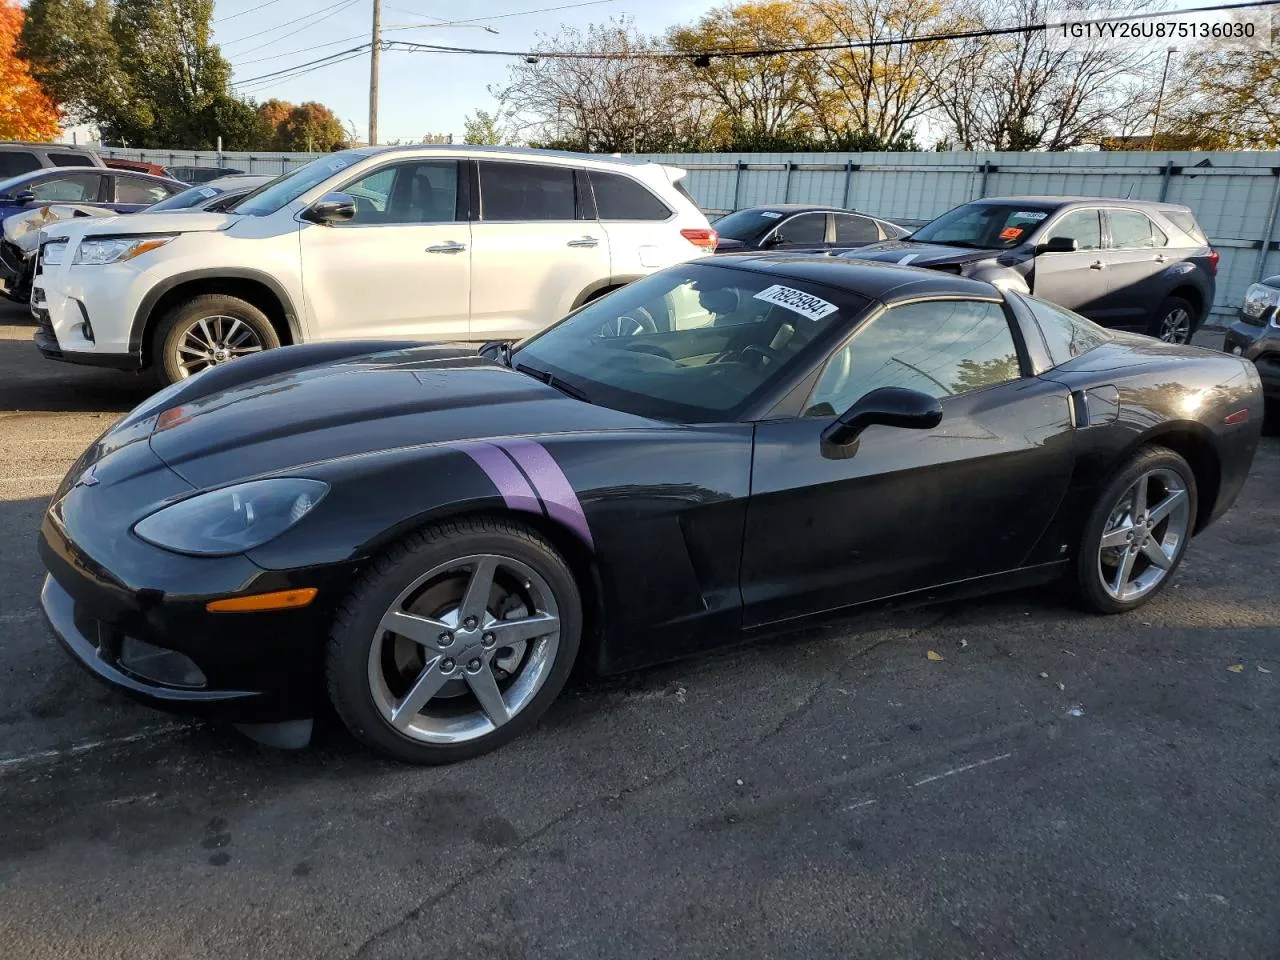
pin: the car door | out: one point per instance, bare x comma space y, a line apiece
853, 230
534, 251
1136, 256
67, 188
642, 237
907, 509
401, 267
804, 231
1079, 281
131, 194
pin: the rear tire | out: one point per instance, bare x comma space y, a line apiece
475, 675
1175, 321
1149, 533
208, 330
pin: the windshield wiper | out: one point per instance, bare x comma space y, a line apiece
552, 380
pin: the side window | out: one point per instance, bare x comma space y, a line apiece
135, 190
1132, 230
14, 163
851, 229
525, 191
621, 198
941, 347
73, 188
70, 160
808, 228
1066, 334
421, 192
1083, 226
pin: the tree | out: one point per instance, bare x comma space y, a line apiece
26, 111
1020, 92
312, 127
275, 112
73, 55
626, 100
882, 90
484, 128
761, 99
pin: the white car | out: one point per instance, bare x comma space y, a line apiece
416, 243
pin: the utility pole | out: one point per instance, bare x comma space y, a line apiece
375, 55
1155, 120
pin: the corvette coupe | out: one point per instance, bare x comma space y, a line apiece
432, 536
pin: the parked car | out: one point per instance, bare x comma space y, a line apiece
121, 191
1255, 333
198, 174
437, 536
1123, 263
796, 227
436, 243
137, 166
216, 196
17, 158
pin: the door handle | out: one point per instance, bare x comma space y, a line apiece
1097, 265
584, 242
1161, 258
451, 247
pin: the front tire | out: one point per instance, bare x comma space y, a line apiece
1174, 322
1138, 532
208, 330
455, 641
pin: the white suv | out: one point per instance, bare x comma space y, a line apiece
422, 243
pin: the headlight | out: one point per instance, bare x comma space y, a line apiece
116, 249
52, 253
234, 519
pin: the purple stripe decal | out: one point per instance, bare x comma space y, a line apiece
515, 489
552, 485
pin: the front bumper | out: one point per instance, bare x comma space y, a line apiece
1259, 343
257, 668
86, 313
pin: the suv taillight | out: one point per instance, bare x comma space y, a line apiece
706, 239
1214, 257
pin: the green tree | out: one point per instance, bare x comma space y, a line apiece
484, 128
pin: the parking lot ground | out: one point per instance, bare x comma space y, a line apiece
1056, 785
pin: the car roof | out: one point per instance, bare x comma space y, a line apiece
1065, 201
515, 153
28, 144
886, 282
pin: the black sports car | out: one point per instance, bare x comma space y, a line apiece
724, 448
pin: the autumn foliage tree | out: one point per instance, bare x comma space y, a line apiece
26, 111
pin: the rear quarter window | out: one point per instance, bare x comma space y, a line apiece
621, 198
1186, 222
71, 160
1066, 334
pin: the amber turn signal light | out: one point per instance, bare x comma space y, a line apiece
279, 600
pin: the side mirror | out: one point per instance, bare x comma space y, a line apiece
1059, 245
25, 197
333, 208
888, 407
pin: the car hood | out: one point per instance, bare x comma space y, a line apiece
141, 223
425, 395
921, 254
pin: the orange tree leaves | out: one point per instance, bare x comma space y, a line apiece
26, 112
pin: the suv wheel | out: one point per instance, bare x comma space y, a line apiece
1175, 321
206, 331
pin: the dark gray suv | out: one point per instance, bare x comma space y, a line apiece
17, 158
1255, 334
1122, 263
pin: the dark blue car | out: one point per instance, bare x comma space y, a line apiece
120, 190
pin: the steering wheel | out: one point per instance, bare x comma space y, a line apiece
764, 355
629, 325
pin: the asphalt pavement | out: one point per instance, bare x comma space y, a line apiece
1003, 778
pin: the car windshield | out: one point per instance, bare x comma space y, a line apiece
747, 225
285, 189
185, 200
985, 226
692, 343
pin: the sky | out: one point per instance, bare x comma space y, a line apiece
420, 93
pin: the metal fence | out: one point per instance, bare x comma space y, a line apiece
1235, 196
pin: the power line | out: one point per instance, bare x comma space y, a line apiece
504, 16
314, 46
340, 6
316, 64
706, 55
232, 16
287, 23
271, 83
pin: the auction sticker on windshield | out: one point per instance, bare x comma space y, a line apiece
797, 301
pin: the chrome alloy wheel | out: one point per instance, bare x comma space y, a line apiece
1142, 537
214, 340
1176, 326
463, 649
